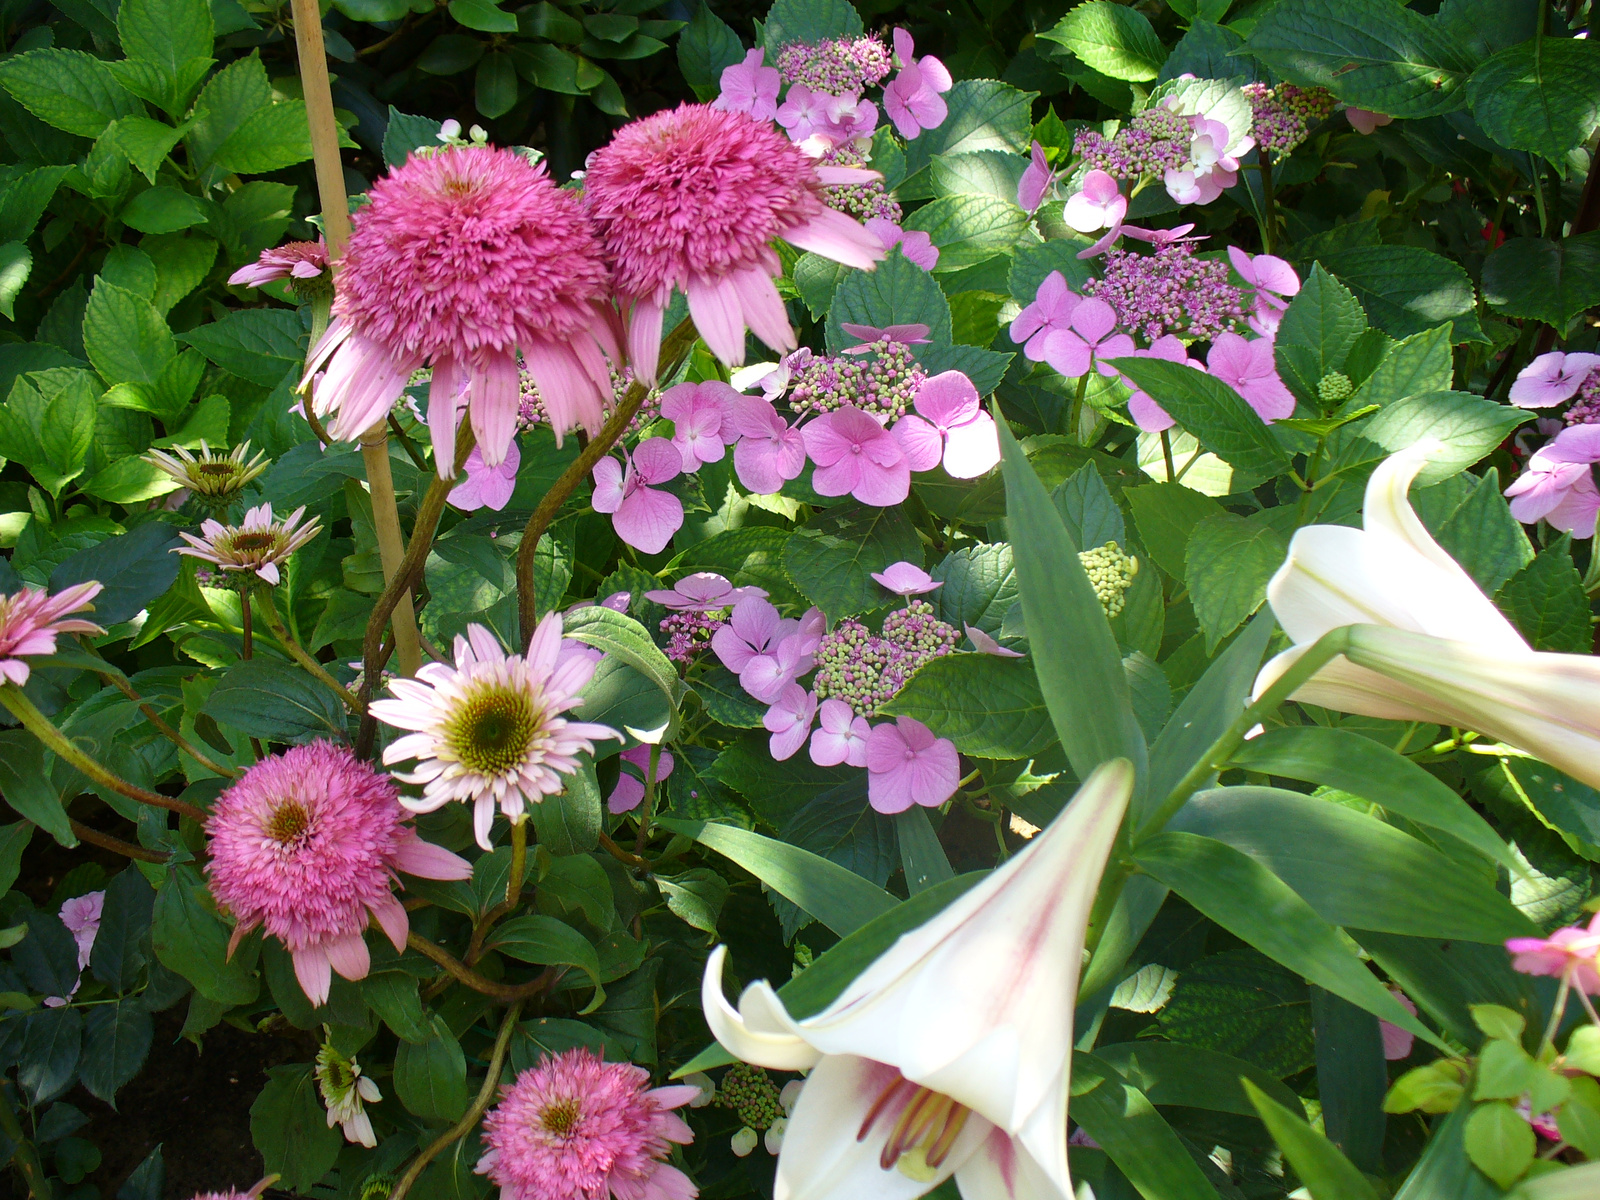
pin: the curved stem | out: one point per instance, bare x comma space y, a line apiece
36, 723
269, 614
674, 349
121, 682
470, 1118
506, 993
391, 543
623, 856
647, 806
114, 844
519, 868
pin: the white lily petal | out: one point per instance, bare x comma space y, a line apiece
1003, 1170
1345, 687
778, 1051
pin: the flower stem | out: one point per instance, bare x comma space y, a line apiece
647, 806
269, 614
1326, 648
114, 844
675, 348
1269, 229
1557, 1011
244, 610
1166, 456
506, 993
36, 723
120, 681
519, 868
391, 542
1076, 412
470, 1118
318, 91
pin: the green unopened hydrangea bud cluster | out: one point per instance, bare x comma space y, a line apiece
751, 1094
1335, 387
1111, 573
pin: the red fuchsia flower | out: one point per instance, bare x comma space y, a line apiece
643, 516
1365, 121
306, 845
1146, 413
704, 591
625, 797
1247, 366
1552, 379
463, 258
913, 98
486, 486
702, 423
984, 644
1036, 180
30, 621
949, 424
490, 730
1571, 955
1049, 314
916, 245
257, 546
1558, 486
856, 456
907, 765
578, 1128
789, 720
693, 198
841, 737
906, 579
292, 260
750, 88
1088, 341
770, 451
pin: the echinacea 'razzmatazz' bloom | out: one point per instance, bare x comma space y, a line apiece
489, 730
462, 259
1558, 485
578, 1128
305, 845
951, 1053
294, 261
704, 591
625, 797
1552, 378
212, 477
907, 764
346, 1092
1571, 953
693, 198
486, 486
1426, 644
643, 516
31, 619
257, 545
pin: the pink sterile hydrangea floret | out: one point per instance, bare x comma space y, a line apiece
81, 916
1570, 953
770, 451
463, 259
1036, 180
1552, 378
1397, 1042
625, 797
916, 245
789, 720
643, 516
704, 591
949, 425
1088, 341
1146, 413
693, 198
856, 456
486, 486
292, 260
913, 98
906, 579
1365, 121
754, 629
1050, 313
1558, 485
1273, 279
306, 845
841, 737
1247, 366
904, 335
767, 675
907, 765
702, 424
30, 621
750, 88
1097, 205
578, 1128
983, 643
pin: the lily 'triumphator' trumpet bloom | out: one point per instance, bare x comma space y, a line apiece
951, 1053
1427, 644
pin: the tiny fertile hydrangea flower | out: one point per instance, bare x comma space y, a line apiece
856, 456
693, 198
1283, 115
346, 1092
490, 729
306, 845
906, 579
704, 591
643, 516
913, 98
30, 621
907, 765
688, 633
1169, 291
462, 259
1248, 367
1552, 378
789, 720
1585, 408
1110, 573
1037, 178
950, 426
770, 451
578, 1128
1050, 313
750, 88
916, 245
837, 66
257, 545
1571, 953
1153, 142
298, 262
841, 736
701, 420
486, 486
1558, 484
625, 797
212, 477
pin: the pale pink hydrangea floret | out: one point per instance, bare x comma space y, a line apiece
701, 416
1146, 413
306, 845
693, 198
292, 260
1552, 378
81, 916
1397, 1042
1213, 165
907, 764
821, 123
913, 98
1274, 281
750, 88
841, 736
486, 486
490, 730
789, 720
578, 1128
916, 245
1247, 366
1558, 485
1049, 314
1089, 340
950, 426
31, 620
1098, 205
625, 797
770, 451
983, 643
856, 456
462, 259
1571, 953
906, 579
904, 335
1036, 180
1364, 120
704, 591
643, 516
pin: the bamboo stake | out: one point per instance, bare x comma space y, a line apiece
336, 229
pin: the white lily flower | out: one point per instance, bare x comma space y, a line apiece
1428, 644
951, 1053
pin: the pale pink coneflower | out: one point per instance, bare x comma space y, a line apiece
346, 1092
489, 729
294, 261
31, 619
235, 1194
257, 545
578, 1128
462, 259
693, 198
305, 845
